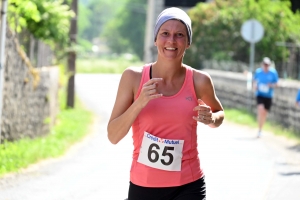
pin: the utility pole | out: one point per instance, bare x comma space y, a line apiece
72, 57
2, 55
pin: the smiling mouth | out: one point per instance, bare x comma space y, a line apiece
170, 48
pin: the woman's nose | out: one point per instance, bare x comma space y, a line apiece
172, 38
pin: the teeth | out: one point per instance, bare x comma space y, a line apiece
169, 48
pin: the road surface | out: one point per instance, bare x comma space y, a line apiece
237, 165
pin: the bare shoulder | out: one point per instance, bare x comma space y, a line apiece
132, 73
202, 83
201, 77
131, 77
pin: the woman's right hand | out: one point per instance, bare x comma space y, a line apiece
126, 109
149, 91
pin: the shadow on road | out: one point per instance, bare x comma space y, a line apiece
290, 174
295, 148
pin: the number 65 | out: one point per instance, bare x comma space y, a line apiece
151, 152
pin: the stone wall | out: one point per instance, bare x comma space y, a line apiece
231, 89
30, 101
233, 66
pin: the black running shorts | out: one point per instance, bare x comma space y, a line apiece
192, 191
267, 102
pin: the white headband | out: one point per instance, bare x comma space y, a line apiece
173, 13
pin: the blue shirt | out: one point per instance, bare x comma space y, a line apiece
298, 97
262, 79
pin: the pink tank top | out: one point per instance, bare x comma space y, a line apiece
168, 117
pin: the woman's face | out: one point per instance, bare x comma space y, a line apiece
172, 39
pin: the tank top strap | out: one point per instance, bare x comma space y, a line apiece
189, 72
190, 80
144, 79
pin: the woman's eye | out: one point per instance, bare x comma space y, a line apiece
180, 35
164, 33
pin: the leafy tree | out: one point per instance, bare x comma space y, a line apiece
99, 12
125, 33
93, 16
216, 30
83, 24
83, 19
44, 19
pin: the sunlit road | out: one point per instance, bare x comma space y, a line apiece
237, 165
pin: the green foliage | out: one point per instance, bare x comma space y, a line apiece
244, 117
240, 116
45, 20
72, 125
216, 30
115, 41
126, 32
93, 17
119, 25
84, 45
47, 120
83, 20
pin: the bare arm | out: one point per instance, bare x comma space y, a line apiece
210, 110
126, 109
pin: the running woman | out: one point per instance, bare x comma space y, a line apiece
163, 102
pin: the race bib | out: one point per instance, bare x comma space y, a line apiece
263, 88
159, 153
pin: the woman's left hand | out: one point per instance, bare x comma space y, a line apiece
205, 114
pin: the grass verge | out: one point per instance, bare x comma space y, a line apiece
104, 65
72, 125
243, 117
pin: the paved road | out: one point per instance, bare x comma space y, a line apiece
237, 165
